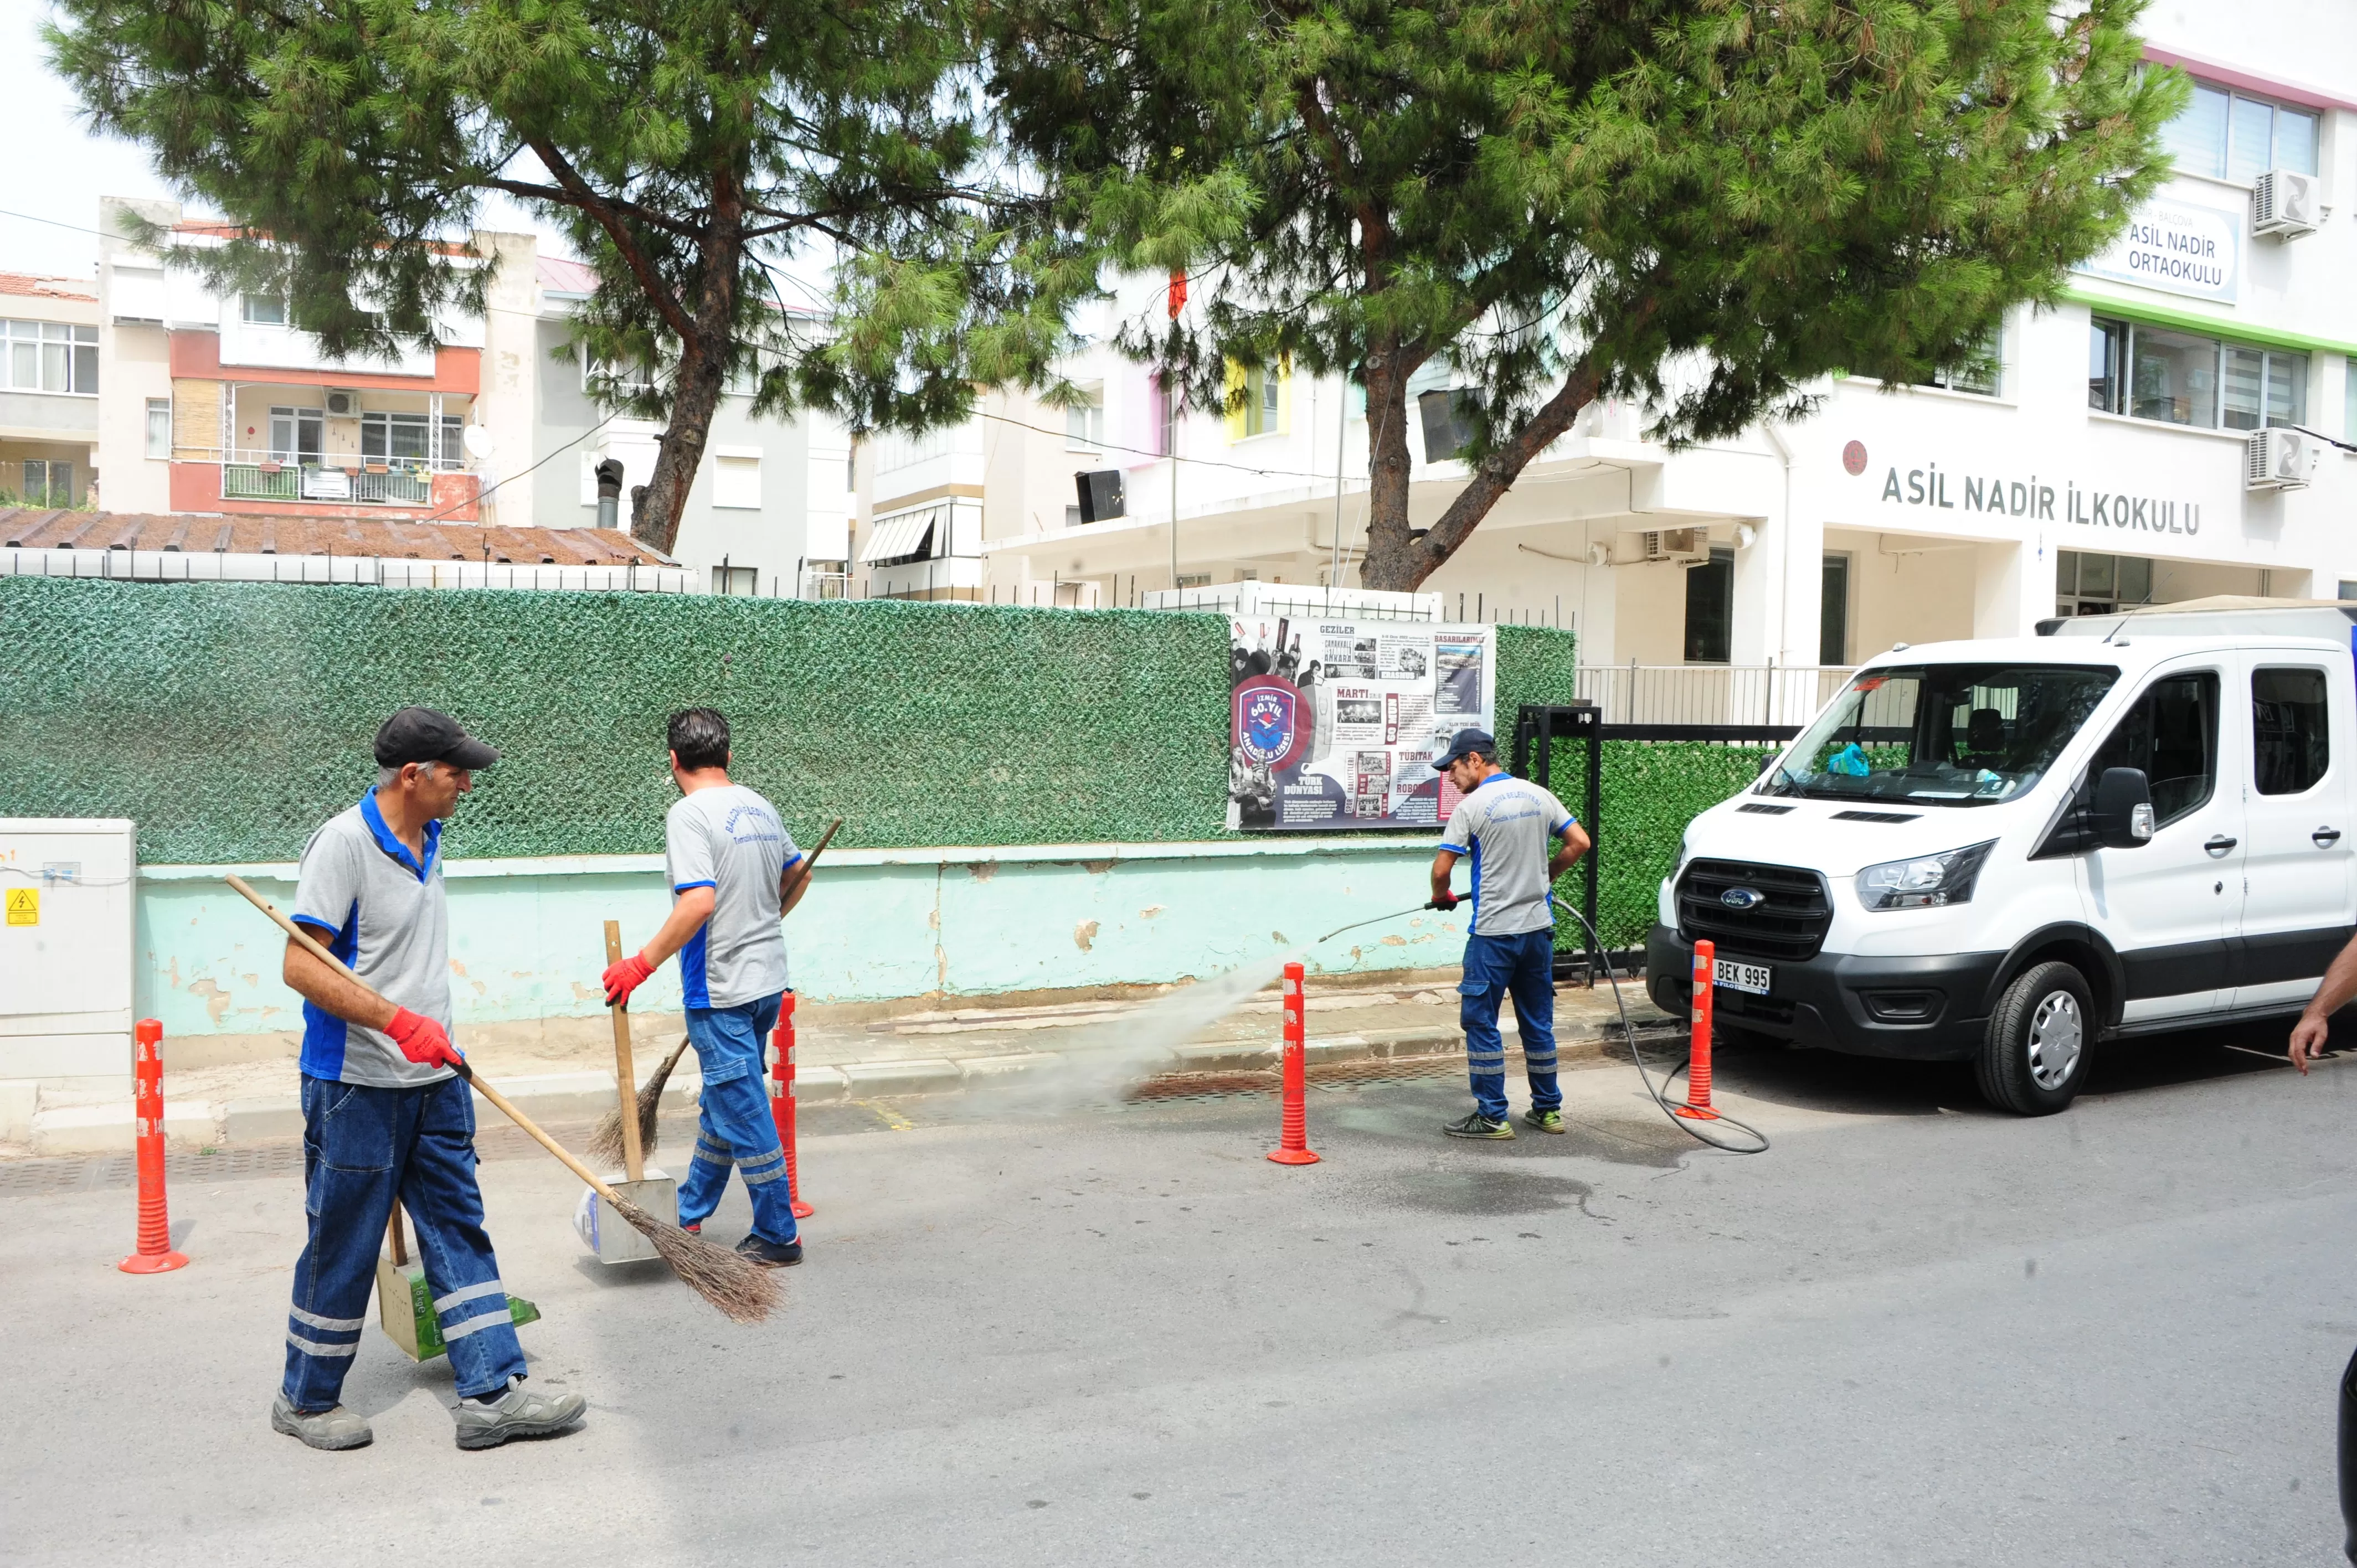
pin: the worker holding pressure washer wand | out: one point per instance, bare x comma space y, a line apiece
1521, 839
726, 854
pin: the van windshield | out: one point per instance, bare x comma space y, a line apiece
1941, 735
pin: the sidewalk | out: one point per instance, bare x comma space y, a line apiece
563, 1070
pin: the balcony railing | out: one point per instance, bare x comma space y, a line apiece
312, 482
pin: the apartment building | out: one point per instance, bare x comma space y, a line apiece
216, 403
2159, 436
48, 390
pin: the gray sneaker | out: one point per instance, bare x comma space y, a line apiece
333, 1428
518, 1412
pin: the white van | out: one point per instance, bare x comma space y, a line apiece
2007, 851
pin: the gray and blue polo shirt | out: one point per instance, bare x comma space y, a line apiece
729, 839
1509, 827
373, 905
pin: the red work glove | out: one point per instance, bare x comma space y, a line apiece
622, 979
1444, 901
421, 1039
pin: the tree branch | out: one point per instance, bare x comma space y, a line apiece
610, 219
563, 198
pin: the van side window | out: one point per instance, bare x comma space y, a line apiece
2291, 746
2172, 735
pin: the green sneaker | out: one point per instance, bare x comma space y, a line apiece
1544, 1120
1478, 1126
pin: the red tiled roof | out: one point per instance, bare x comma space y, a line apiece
560, 276
47, 289
31, 528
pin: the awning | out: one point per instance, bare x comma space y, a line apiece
904, 536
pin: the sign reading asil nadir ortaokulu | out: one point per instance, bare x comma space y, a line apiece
1929, 487
2177, 247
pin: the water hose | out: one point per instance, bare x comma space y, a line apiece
1691, 1129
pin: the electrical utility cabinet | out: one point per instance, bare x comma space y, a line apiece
67, 887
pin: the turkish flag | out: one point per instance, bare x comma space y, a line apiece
1178, 294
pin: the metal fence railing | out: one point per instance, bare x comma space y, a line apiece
1748, 694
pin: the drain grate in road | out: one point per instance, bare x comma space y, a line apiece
52, 1176
1321, 1075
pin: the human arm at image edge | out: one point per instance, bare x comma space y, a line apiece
2337, 987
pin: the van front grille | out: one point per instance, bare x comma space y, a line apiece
1788, 921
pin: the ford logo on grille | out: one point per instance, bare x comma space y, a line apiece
1743, 898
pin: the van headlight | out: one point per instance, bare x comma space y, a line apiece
1926, 882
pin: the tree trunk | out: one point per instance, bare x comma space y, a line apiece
1403, 568
695, 398
1391, 555
703, 373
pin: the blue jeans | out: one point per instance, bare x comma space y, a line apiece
733, 1127
363, 1147
1523, 965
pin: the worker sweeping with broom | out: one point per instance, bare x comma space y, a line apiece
728, 858
385, 1118
1521, 839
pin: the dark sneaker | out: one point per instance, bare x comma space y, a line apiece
771, 1255
1544, 1120
332, 1428
518, 1412
1478, 1126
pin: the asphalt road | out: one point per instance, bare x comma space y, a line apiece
1915, 1332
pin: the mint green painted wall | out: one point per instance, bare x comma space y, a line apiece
530, 944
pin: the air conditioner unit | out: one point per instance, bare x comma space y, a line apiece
2287, 204
343, 405
1678, 546
2280, 460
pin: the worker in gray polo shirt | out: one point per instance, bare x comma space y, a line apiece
726, 855
384, 1117
1521, 839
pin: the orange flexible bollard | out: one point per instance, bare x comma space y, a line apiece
155, 1255
1293, 1147
782, 1103
1697, 1105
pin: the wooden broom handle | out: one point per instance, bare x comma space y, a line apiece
810, 861
626, 1074
463, 1070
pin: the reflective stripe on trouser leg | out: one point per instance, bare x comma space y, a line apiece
1532, 982
707, 1173
445, 1207
1479, 994
739, 1111
349, 1135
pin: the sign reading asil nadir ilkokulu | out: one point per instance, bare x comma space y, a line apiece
1928, 487
2179, 248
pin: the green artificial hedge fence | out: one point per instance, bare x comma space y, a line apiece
230, 719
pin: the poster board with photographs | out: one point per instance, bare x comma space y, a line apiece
1335, 722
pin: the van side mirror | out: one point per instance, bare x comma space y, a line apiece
2123, 809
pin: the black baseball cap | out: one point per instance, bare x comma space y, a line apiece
427, 734
1464, 741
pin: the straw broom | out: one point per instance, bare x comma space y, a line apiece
742, 1289
605, 1141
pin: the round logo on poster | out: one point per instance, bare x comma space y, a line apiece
1271, 725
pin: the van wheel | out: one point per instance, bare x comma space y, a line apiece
2034, 1057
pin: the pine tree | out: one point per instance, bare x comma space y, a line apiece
1701, 205
687, 146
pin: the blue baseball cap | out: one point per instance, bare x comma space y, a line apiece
1464, 741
